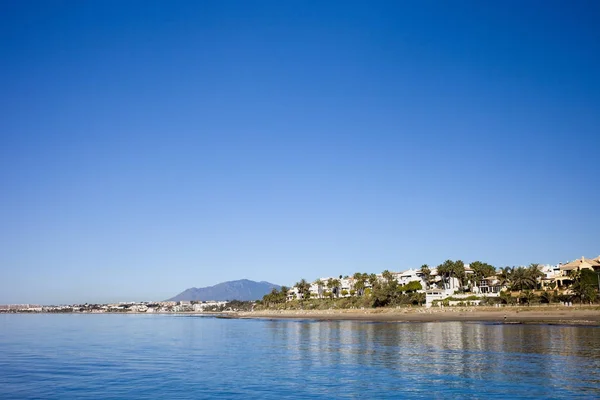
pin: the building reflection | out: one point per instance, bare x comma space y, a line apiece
444, 353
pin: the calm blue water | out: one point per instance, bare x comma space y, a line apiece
186, 357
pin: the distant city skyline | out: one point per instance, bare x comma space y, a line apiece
149, 148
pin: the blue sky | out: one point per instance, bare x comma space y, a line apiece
148, 147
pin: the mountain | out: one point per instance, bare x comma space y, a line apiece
243, 289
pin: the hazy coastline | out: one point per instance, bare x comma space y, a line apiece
556, 315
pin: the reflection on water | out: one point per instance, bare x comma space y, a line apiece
145, 357
547, 361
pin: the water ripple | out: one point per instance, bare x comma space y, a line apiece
160, 356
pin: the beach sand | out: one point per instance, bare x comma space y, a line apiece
526, 315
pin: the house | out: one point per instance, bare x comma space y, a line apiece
412, 275
489, 286
550, 271
432, 295
565, 279
469, 275
347, 284
581, 263
319, 287
293, 294
447, 283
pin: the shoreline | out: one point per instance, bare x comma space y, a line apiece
523, 315
553, 315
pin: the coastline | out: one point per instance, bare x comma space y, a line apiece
517, 315
552, 315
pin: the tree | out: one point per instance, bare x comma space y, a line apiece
444, 270
387, 275
582, 287
372, 280
504, 276
382, 295
527, 296
360, 280
386, 292
426, 274
458, 270
452, 269
506, 297
535, 274
284, 291
589, 277
546, 297
411, 287
482, 270
319, 285
418, 298
334, 286
303, 288
522, 278
275, 297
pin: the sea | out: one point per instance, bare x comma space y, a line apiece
113, 356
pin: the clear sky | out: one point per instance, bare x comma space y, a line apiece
147, 147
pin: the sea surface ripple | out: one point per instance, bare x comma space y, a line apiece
78, 356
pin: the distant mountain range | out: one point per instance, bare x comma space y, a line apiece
243, 289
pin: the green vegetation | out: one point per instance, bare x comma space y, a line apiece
585, 286
521, 285
482, 270
381, 294
520, 278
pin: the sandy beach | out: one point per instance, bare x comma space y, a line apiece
537, 315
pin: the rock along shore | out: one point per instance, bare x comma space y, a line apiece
538, 315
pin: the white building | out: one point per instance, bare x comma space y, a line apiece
412, 275
293, 294
347, 284
318, 288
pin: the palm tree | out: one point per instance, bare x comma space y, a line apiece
387, 275
359, 283
303, 288
372, 280
426, 274
283, 293
334, 286
534, 273
505, 276
522, 279
319, 285
284, 290
582, 290
527, 296
419, 298
546, 297
446, 270
274, 297
458, 270
482, 270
